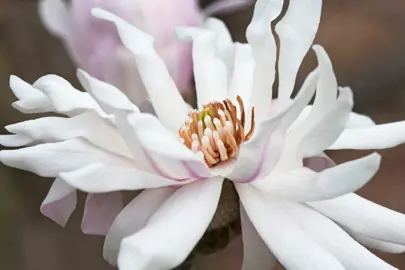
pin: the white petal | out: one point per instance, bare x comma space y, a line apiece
260, 38
15, 140
372, 137
359, 121
266, 145
350, 253
362, 216
242, 77
296, 32
225, 6
173, 231
161, 148
54, 15
295, 249
211, 75
109, 97
132, 218
306, 185
60, 202
87, 125
100, 212
65, 98
256, 255
98, 178
50, 159
377, 244
155, 76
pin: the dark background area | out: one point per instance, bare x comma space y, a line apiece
365, 39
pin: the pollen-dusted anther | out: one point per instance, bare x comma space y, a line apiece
217, 130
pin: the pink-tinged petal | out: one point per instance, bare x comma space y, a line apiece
377, 244
371, 137
306, 185
108, 97
229, 258
319, 163
132, 218
264, 51
256, 255
64, 98
60, 202
283, 235
87, 125
350, 253
160, 86
97, 178
364, 217
296, 32
15, 140
225, 6
100, 212
173, 231
266, 145
50, 159
54, 15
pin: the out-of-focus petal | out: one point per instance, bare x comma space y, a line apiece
15, 140
54, 15
377, 244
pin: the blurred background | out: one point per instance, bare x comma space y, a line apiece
365, 39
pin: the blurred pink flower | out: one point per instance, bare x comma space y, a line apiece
94, 44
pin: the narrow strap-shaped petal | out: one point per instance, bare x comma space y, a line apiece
87, 125
306, 185
100, 211
132, 218
296, 31
173, 231
54, 15
99, 178
15, 140
60, 202
210, 72
160, 86
350, 253
365, 217
256, 255
378, 244
371, 137
260, 38
50, 159
225, 6
283, 235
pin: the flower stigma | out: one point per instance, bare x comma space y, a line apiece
216, 131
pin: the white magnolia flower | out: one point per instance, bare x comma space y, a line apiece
306, 218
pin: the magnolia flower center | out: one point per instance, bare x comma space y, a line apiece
216, 131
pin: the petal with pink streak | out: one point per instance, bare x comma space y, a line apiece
60, 202
100, 212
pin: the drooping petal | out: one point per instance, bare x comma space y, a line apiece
260, 38
377, 244
173, 231
54, 15
99, 178
350, 253
154, 74
15, 140
132, 218
266, 145
211, 75
109, 97
60, 202
371, 137
296, 32
306, 185
100, 212
87, 125
365, 217
256, 255
283, 235
48, 160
